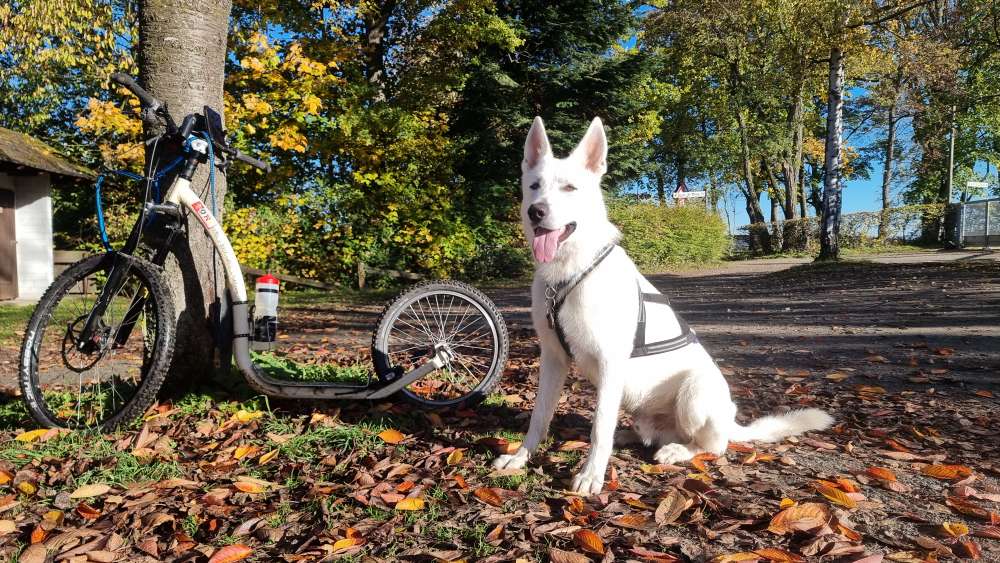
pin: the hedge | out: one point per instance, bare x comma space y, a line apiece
659, 236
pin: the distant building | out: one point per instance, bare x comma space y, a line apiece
28, 168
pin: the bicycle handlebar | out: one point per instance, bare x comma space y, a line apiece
266, 167
129, 82
189, 122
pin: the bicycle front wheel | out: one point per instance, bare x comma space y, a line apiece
98, 346
451, 314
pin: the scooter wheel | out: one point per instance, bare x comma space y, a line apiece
443, 314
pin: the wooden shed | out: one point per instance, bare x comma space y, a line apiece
28, 170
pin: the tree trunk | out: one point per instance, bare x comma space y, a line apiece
760, 240
661, 188
829, 232
890, 147
802, 192
182, 53
376, 21
792, 161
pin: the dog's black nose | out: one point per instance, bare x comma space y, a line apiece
537, 212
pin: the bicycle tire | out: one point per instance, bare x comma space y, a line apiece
482, 304
154, 369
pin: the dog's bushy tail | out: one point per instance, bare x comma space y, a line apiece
777, 427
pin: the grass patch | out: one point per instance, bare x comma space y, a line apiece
280, 367
13, 318
108, 465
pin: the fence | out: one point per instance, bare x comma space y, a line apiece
63, 259
894, 226
979, 223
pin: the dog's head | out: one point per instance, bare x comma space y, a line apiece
561, 204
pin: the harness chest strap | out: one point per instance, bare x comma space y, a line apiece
640, 348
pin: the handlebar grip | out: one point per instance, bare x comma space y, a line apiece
266, 167
129, 82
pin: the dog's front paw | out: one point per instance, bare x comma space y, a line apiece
517, 460
588, 483
673, 453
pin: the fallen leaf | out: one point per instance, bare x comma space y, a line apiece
946, 472
660, 468
735, 557
954, 529
776, 554
391, 436
454, 458
87, 512
803, 517
836, 496
412, 503
346, 543
88, 491
245, 416
267, 457
634, 521
971, 549
7, 526
249, 487
489, 495
231, 553
881, 473
671, 507
560, 556
589, 541
31, 435
698, 461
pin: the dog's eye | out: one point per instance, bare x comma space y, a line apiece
569, 188
534, 186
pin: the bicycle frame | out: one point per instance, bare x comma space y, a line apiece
181, 194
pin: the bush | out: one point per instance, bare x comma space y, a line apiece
659, 236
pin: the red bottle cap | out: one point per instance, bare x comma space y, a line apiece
268, 278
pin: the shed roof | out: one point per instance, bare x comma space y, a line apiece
26, 151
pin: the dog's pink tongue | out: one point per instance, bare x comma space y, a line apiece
544, 245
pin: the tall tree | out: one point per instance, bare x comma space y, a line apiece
182, 53
829, 234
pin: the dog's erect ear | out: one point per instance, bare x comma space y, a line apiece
536, 147
593, 148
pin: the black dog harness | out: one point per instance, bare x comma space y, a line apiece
554, 302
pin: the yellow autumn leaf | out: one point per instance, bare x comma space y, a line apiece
267, 457
244, 450
454, 457
414, 503
246, 416
31, 435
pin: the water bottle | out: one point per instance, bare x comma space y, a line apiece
265, 313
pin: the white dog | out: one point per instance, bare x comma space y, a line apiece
587, 297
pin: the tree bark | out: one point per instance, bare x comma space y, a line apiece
376, 22
887, 163
661, 188
792, 161
182, 53
829, 232
760, 240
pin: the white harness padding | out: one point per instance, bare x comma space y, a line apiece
640, 344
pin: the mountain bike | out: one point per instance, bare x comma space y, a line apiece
99, 344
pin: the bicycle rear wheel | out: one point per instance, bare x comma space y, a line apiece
450, 314
112, 375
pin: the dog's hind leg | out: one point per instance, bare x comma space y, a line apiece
551, 377
704, 417
711, 437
